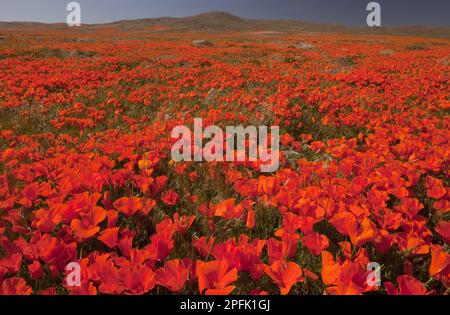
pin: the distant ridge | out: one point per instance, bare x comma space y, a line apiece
226, 22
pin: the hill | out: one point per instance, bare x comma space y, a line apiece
225, 22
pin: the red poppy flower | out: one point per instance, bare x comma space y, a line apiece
170, 198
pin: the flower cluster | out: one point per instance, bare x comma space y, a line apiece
86, 174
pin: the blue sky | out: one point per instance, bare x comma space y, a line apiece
349, 12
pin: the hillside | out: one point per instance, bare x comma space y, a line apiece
224, 22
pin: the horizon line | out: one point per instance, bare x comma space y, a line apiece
232, 14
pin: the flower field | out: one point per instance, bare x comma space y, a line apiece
86, 174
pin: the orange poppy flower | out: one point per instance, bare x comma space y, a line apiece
137, 279
407, 285
87, 226
183, 224
440, 265
215, 277
128, 205
15, 286
315, 242
172, 276
109, 237
443, 229
435, 188
285, 275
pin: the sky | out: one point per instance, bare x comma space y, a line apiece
346, 12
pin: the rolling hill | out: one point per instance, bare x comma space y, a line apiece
225, 22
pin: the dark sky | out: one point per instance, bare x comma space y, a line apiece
349, 12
